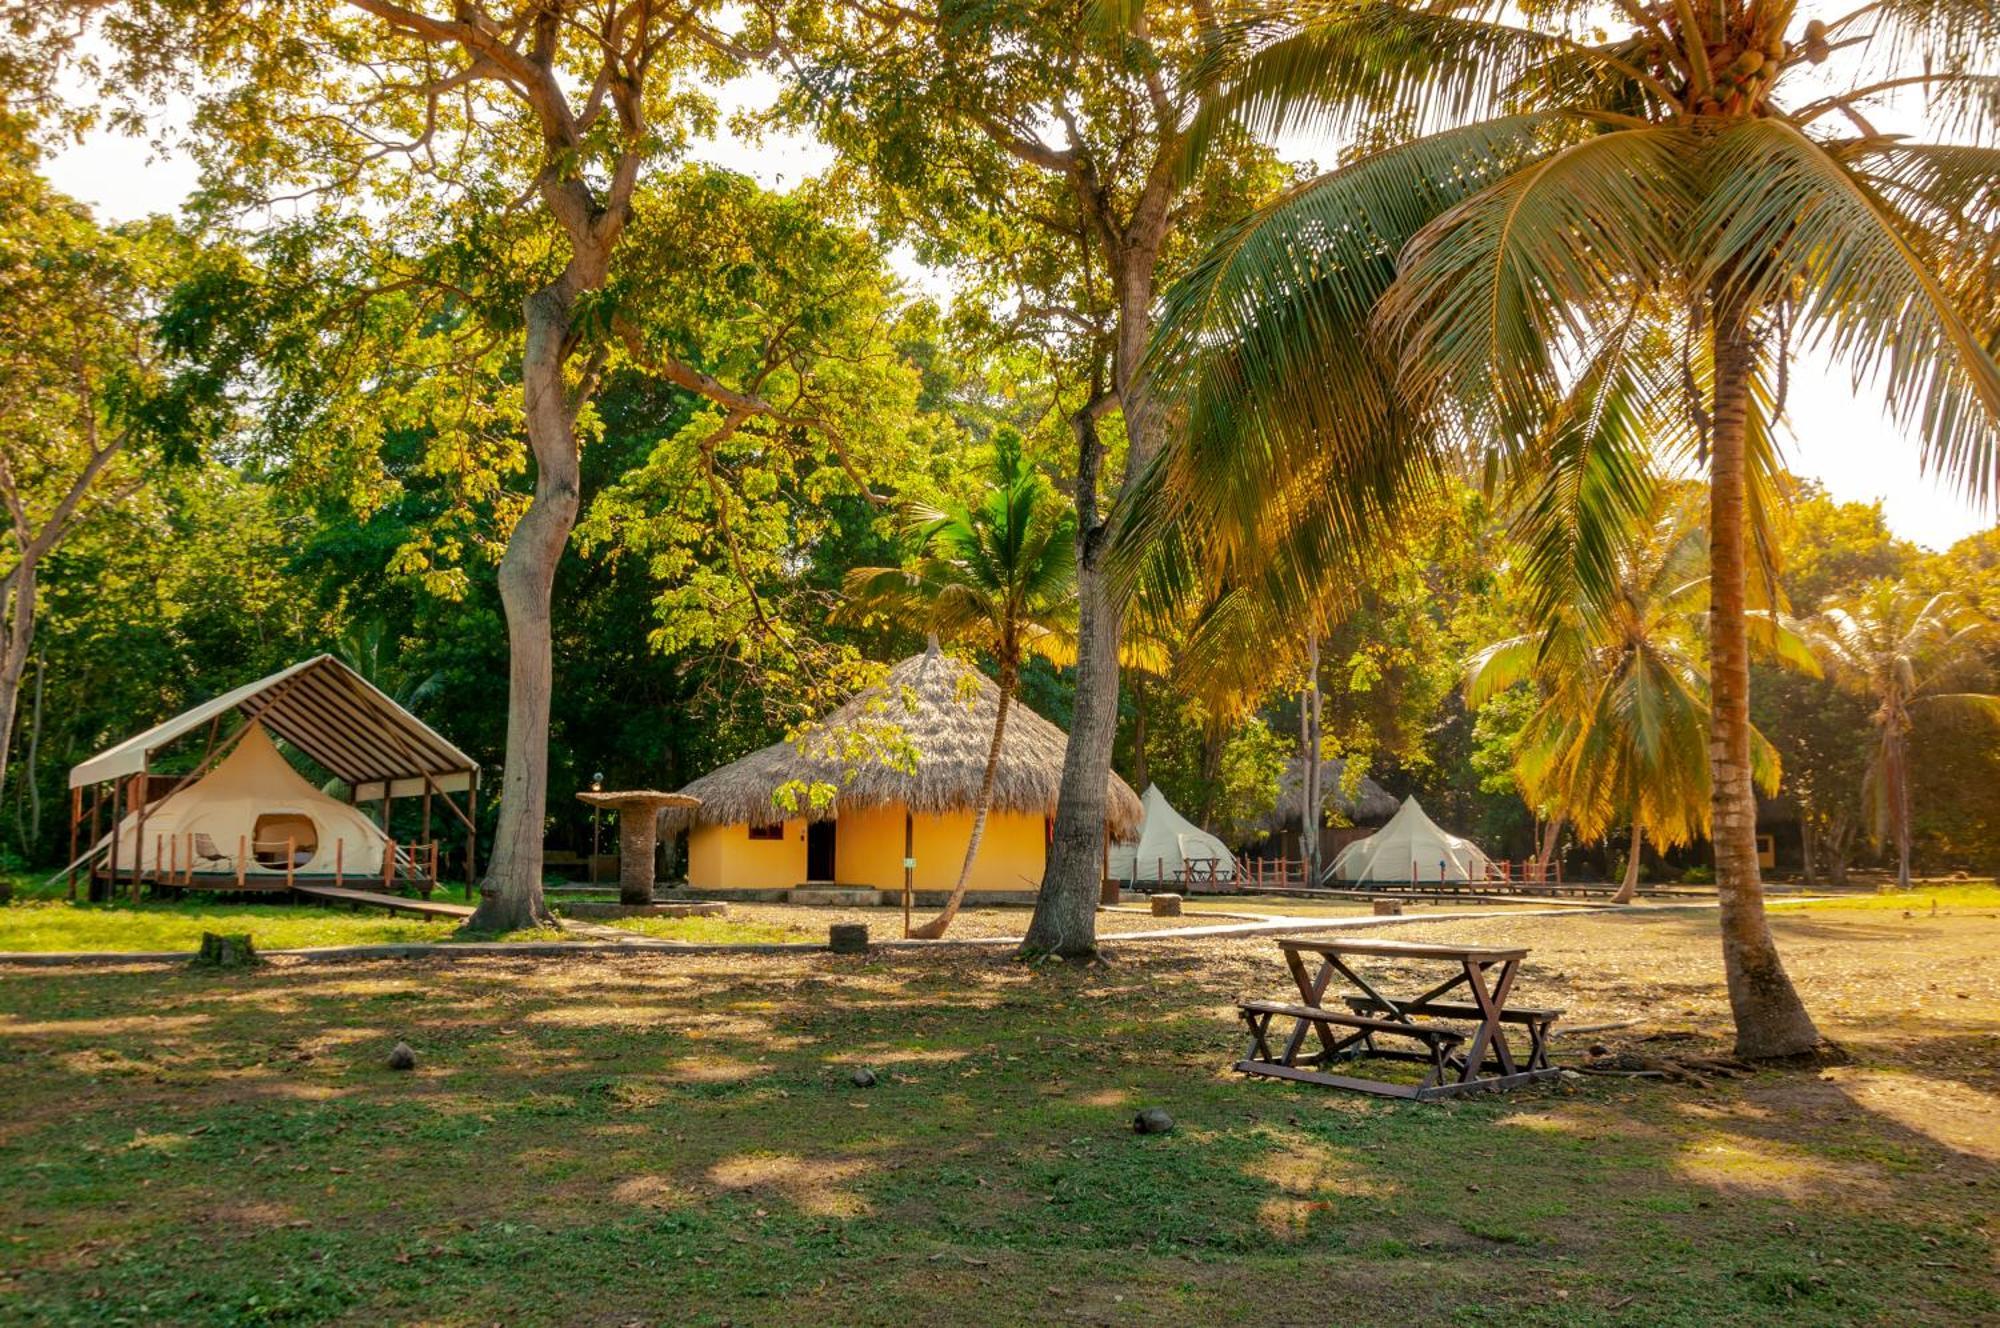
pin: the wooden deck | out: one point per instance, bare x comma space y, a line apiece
394, 903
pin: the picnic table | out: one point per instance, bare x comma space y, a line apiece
1463, 1035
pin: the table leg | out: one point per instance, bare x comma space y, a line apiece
1310, 991
1489, 1032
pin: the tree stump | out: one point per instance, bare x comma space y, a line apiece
226, 952
847, 938
1166, 906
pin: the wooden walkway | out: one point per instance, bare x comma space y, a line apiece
394, 903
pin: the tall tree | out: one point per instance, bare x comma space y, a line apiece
1656, 214
1621, 734
1039, 148
83, 387
998, 575
1901, 650
498, 151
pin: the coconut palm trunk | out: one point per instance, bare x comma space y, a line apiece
1629, 889
937, 926
1771, 1020
1896, 788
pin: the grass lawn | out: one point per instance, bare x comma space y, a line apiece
674, 1139
157, 925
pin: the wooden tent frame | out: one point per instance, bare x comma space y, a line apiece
319, 706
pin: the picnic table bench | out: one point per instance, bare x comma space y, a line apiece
1456, 1062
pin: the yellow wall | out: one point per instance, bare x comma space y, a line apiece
868, 850
724, 857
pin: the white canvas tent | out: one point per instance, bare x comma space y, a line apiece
1167, 843
1411, 847
253, 805
320, 708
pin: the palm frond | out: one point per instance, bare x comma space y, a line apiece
1781, 215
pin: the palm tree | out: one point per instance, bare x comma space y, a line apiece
1647, 220
1621, 731
997, 575
1896, 647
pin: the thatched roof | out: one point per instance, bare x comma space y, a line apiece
1371, 802
941, 708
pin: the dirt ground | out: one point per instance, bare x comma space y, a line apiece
655, 1138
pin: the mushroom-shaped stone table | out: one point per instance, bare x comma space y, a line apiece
638, 832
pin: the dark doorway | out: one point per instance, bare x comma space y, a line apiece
819, 850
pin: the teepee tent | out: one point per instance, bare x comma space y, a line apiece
1411, 847
1168, 842
255, 807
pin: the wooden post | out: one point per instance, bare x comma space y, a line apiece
75, 817
139, 827
471, 833
242, 856
291, 856
339, 861
388, 863
426, 835
117, 792
96, 806
909, 868
173, 859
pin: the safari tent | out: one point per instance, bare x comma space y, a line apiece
239, 814
1409, 848
745, 836
1170, 848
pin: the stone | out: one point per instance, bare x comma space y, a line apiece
863, 1077
1153, 1120
847, 938
1388, 908
226, 952
1166, 906
402, 1058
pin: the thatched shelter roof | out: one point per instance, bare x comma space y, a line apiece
1370, 802
931, 703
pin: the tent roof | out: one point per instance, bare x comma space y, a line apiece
320, 706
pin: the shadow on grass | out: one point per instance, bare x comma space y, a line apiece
602, 1142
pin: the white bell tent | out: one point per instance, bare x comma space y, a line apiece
1170, 848
229, 819
253, 805
1411, 847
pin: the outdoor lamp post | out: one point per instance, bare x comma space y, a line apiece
596, 786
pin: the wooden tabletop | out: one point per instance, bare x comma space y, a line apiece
1400, 949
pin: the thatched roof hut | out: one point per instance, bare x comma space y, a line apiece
1370, 802
941, 708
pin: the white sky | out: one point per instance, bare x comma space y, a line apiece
1843, 440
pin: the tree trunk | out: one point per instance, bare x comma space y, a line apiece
1771, 1020
1550, 839
938, 925
1139, 769
31, 830
1838, 837
17, 614
1808, 848
1896, 775
1629, 890
511, 893
1312, 802
1065, 920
